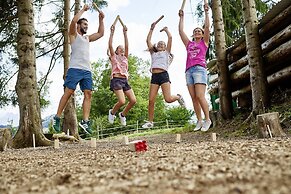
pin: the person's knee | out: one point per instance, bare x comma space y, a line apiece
121, 101
168, 99
133, 101
88, 94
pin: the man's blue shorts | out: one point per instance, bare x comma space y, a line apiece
75, 76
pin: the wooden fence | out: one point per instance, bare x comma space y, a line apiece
275, 34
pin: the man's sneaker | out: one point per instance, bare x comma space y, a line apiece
147, 125
206, 125
56, 121
122, 119
86, 126
181, 100
198, 126
111, 117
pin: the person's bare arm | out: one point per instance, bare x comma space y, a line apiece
183, 36
149, 37
206, 25
110, 47
170, 38
100, 31
73, 24
125, 41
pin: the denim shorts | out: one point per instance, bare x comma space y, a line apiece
160, 78
75, 76
117, 83
196, 75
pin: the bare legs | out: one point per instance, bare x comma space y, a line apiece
86, 102
154, 88
121, 101
197, 93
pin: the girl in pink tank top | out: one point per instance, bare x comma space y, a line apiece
196, 74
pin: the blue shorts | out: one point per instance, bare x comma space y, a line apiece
196, 75
75, 76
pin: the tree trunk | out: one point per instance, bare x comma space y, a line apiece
70, 117
26, 85
5, 137
223, 72
269, 125
258, 79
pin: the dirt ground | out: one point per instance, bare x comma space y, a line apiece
196, 165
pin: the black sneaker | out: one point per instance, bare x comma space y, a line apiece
86, 126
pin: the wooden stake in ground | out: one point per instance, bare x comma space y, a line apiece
93, 142
57, 144
125, 140
183, 5
178, 138
33, 140
213, 136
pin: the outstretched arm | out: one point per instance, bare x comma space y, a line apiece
110, 47
183, 36
149, 37
73, 24
169, 44
100, 31
125, 41
207, 24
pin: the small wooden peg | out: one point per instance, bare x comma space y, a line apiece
178, 138
213, 136
93, 142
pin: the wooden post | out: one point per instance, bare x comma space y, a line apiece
183, 5
213, 136
125, 140
269, 126
167, 124
93, 142
136, 126
57, 144
33, 140
178, 138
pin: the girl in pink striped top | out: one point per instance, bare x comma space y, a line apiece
119, 78
196, 73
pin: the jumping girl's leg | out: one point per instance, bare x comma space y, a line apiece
200, 95
196, 105
166, 89
132, 100
154, 88
121, 101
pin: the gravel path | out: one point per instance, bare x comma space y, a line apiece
196, 165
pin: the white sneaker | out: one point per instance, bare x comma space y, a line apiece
111, 117
122, 119
147, 125
181, 100
206, 125
198, 126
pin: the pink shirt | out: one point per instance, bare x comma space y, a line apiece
196, 53
119, 65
